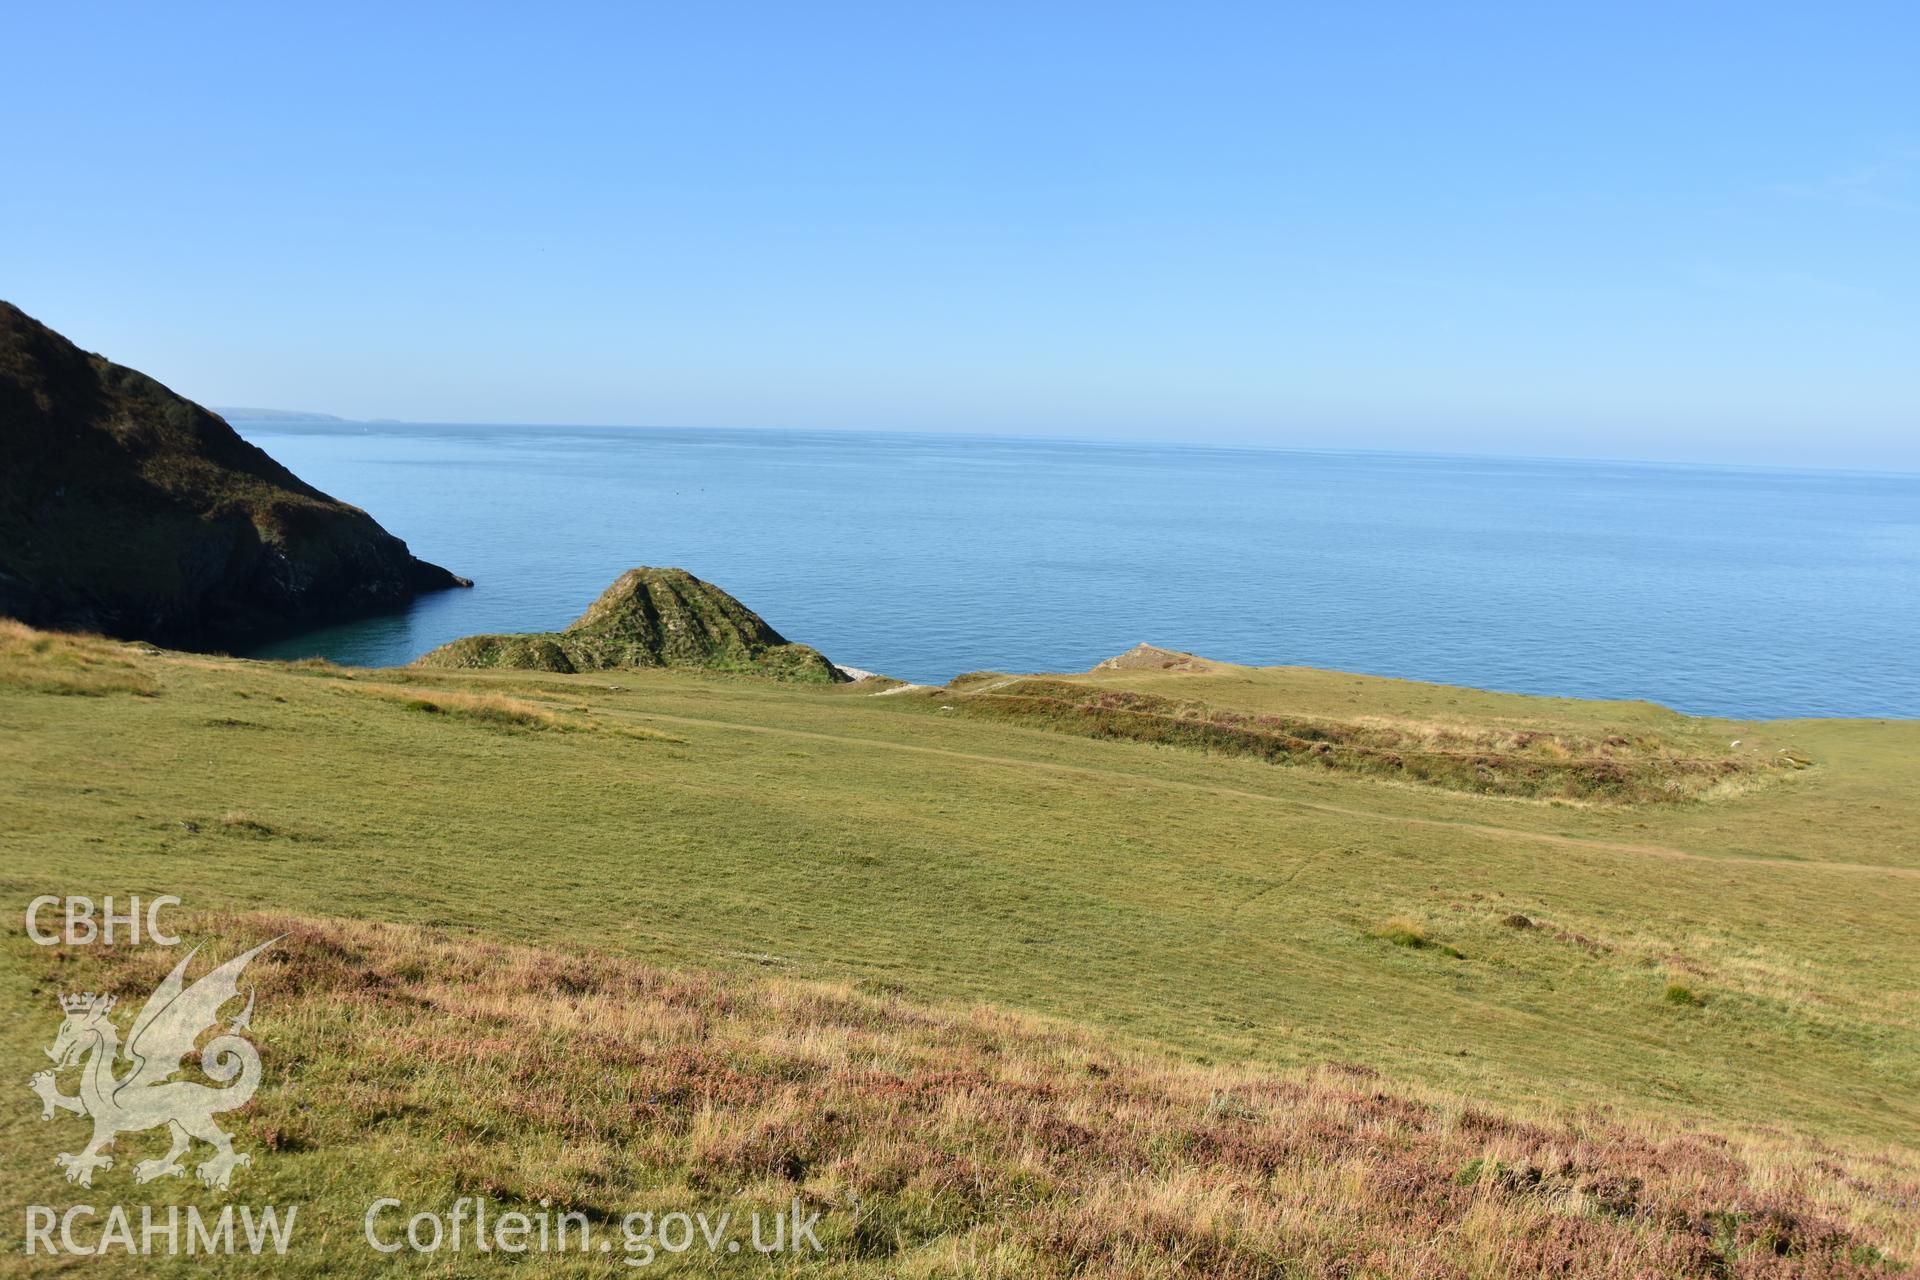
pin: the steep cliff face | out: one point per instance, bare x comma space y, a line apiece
650, 618
128, 510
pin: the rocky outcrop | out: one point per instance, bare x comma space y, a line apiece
650, 618
129, 510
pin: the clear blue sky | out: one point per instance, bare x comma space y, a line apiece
1630, 230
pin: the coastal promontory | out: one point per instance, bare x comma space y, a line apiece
129, 510
651, 617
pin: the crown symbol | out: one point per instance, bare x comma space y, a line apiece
87, 1002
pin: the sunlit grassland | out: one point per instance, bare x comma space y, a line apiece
1220, 908
427, 1065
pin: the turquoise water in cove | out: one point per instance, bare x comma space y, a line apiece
1744, 592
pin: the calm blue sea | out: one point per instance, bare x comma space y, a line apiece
1742, 592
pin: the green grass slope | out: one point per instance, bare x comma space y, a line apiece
1486, 759
649, 618
428, 1065
1216, 907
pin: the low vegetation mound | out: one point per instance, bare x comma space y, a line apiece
413, 1063
1505, 761
128, 510
1147, 657
650, 618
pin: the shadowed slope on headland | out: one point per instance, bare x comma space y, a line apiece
129, 510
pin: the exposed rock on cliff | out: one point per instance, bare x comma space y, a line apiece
129, 510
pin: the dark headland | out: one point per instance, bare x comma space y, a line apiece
129, 510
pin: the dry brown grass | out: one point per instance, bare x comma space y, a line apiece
60, 662
499, 710
976, 1141
489, 708
1476, 758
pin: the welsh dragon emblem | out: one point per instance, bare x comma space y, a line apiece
146, 1096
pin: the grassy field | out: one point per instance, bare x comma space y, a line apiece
426, 1066
1740, 962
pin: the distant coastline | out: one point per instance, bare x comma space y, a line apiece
234, 413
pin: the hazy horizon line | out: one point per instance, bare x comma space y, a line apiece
314, 418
